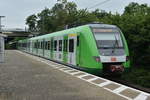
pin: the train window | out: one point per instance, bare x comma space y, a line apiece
27, 44
55, 45
37, 44
34, 46
51, 45
71, 45
41, 45
60, 45
78, 40
45, 45
48, 43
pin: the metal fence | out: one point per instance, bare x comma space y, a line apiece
1, 49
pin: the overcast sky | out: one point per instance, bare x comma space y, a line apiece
16, 11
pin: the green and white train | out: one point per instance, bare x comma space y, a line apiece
94, 48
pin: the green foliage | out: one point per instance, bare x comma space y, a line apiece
138, 76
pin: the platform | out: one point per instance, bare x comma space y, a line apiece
25, 77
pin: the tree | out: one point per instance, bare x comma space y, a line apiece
134, 9
44, 21
31, 21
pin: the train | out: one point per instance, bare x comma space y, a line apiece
94, 48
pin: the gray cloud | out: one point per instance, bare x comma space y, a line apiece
16, 11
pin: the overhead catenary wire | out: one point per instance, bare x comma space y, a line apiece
98, 4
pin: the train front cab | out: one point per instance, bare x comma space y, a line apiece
112, 48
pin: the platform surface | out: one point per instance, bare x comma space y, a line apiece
24, 78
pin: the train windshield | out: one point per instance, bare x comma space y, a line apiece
108, 38
109, 41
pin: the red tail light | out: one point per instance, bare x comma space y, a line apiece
112, 68
97, 59
127, 58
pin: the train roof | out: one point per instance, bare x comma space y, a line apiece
102, 25
63, 32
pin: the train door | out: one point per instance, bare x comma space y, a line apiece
29, 46
40, 47
47, 48
60, 49
65, 49
51, 48
33, 46
26, 45
43, 47
55, 48
72, 45
37, 46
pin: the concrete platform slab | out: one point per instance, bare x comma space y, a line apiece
98, 81
112, 86
130, 93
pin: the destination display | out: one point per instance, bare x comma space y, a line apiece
104, 30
